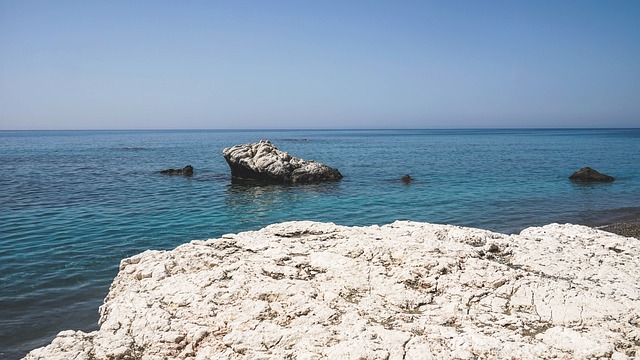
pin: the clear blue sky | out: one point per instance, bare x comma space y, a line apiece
318, 64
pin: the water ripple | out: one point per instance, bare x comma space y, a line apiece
76, 203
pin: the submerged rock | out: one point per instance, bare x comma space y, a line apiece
186, 171
263, 161
405, 290
587, 174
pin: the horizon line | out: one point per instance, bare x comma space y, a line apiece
333, 129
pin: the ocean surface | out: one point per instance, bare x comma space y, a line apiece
74, 203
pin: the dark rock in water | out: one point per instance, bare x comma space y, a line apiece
587, 174
186, 171
263, 161
406, 179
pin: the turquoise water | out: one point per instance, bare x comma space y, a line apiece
74, 203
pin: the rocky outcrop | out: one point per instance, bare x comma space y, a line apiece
186, 171
305, 290
263, 161
587, 174
406, 179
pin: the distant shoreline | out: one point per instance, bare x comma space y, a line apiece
621, 221
626, 224
624, 229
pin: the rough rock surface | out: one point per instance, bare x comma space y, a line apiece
263, 161
186, 171
587, 174
305, 290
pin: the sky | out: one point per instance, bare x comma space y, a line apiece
318, 64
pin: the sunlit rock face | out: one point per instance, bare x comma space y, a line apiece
263, 161
407, 290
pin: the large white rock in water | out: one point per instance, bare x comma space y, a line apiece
264, 162
305, 290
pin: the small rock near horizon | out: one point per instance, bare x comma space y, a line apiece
406, 179
587, 174
186, 171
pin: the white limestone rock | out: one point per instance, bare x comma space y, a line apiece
263, 161
306, 290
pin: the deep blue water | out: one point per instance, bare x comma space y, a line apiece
74, 203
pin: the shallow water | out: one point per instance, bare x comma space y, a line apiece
74, 203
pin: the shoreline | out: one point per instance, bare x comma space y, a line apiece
404, 289
628, 229
622, 221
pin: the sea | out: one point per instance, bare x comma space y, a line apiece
74, 203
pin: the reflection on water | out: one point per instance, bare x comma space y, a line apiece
243, 195
259, 194
253, 202
588, 198
219, 178
590, 186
